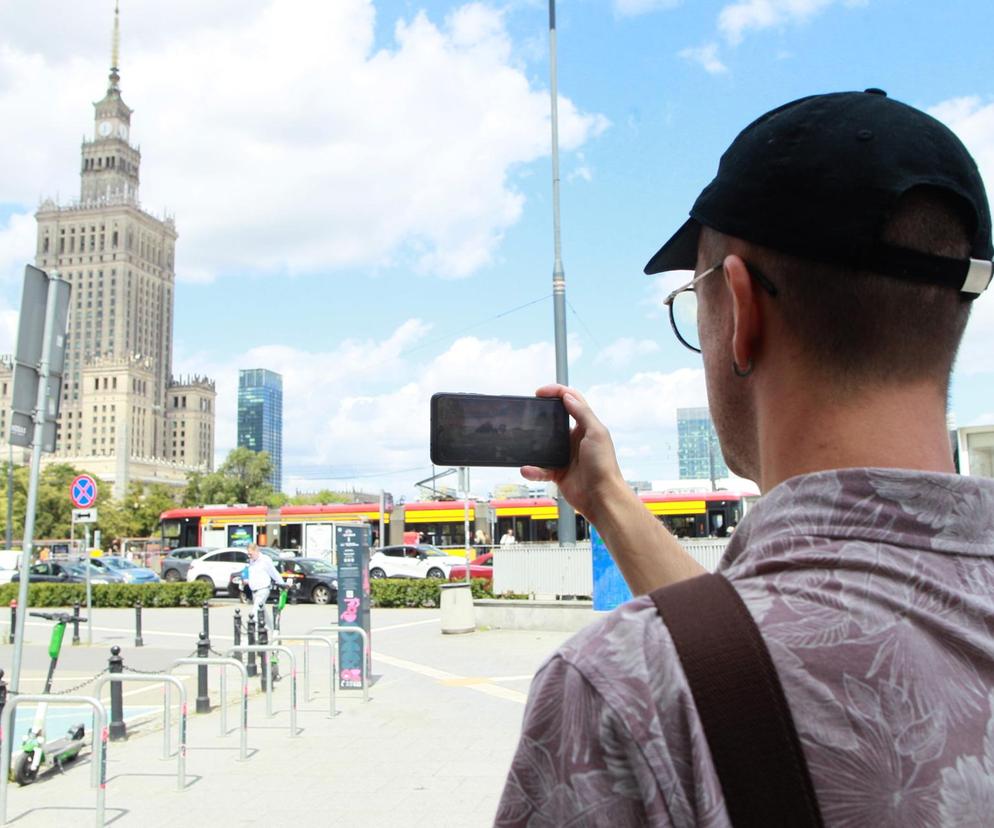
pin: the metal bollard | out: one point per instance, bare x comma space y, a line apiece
264, 658
207, 621
203, 699
117, 729
75, 624
138, 624
238, 632
250, 666
13, 620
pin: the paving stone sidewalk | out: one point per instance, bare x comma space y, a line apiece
431, 746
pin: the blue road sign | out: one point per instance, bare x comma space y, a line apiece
83, 491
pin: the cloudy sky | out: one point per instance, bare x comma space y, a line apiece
362, 188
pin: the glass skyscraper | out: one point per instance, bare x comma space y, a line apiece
697, 441
260, 416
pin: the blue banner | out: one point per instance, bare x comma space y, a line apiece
610, 589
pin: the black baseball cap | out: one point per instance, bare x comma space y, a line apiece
819, 177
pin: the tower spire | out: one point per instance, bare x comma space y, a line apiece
115, 49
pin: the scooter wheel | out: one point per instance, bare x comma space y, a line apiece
24, 774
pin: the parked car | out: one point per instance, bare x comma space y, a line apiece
176, 564
412, 561
66, 573
314, 580
77, 574
482, 567
128, 570
10, 560
218, 566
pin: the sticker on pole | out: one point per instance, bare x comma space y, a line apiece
83, 491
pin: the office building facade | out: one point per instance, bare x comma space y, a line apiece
697, 446
260, 416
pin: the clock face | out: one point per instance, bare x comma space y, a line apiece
105, 128
122, 131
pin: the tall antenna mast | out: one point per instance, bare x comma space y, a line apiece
567, 517
115, 48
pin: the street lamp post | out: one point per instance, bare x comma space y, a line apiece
567, 517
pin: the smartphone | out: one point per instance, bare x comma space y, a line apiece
482, 430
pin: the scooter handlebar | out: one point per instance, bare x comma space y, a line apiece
55, 616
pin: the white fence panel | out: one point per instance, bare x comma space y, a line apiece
544, 569
549, 569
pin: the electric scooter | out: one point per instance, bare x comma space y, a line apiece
35, 751
274, 663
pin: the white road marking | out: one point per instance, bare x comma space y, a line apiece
408, 624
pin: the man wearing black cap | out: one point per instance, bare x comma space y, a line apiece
836, 255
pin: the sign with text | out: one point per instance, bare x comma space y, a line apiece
352, 555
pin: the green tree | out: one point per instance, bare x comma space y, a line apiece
242, 478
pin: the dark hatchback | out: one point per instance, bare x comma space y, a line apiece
312, 579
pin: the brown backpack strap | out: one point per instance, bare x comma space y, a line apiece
750, 731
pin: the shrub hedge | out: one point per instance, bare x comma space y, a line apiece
184, 594
417, 592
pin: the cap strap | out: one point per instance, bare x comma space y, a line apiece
970, 276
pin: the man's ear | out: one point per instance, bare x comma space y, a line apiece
747, 318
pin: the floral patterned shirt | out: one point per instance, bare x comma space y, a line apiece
874, 590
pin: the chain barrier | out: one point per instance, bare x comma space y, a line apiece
67, 692
127, 669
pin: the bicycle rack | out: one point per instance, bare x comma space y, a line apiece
167, 680
269, 648
338, 630
222, 663
98, 774
332, 676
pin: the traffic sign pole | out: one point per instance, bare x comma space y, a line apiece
41, 403
89, 595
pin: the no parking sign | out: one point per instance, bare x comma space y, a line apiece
83, 491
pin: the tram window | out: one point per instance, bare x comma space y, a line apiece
440, 534
291, 537
681, 526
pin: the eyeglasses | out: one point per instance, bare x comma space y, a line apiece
682, 303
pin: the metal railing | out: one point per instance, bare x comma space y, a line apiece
168, 681
332, 671
267, 673
547, 569
98, 772
243, 719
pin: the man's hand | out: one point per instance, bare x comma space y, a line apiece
593, 474
646, 553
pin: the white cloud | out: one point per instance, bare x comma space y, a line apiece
283, 140
360, 411
747, 15
631, 8
17, 245
623, 351
706, 56
641, 415
342, 429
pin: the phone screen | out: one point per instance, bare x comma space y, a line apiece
482, 430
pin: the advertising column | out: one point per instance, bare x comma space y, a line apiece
352, 551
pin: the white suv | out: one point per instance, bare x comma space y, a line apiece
217, 567
409, 561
